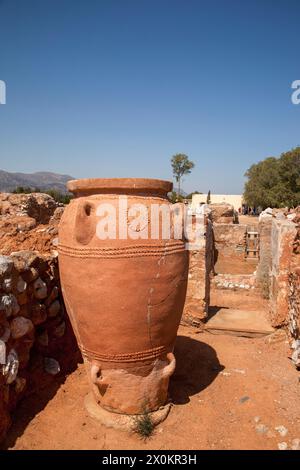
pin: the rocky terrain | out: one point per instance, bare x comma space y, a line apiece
227, 392
35, 334
28, 222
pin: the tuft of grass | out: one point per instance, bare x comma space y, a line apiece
144, 425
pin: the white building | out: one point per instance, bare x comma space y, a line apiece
236, 200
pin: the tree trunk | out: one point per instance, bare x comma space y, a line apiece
178, 191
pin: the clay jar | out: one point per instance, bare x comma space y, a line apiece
124, 296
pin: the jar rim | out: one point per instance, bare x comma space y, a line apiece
119, 185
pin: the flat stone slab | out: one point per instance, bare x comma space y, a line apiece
239, 323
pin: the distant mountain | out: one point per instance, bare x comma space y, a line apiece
42, 180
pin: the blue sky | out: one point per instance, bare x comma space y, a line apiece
115, 87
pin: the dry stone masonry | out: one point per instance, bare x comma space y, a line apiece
230, 240
200, 268
35, 334
234, 281
282, 238
294, 297
279, 272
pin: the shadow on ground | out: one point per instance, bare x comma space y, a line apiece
213, 310
41, 391
197, 366
31, 405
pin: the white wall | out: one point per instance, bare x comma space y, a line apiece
234, 199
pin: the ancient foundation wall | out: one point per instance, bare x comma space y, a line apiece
223, 213
294, 300
230, 240
200, 267
234, 281
265, 255
36, 338
282, 238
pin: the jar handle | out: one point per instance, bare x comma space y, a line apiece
84, 223
97, 379
170, 368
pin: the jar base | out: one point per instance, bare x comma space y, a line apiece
118, 420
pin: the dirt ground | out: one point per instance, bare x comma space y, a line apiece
238, 264
247, 300
228, 393
235, 265
248, 220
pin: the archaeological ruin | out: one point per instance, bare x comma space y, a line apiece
68, 296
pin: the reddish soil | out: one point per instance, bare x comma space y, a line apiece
234, 265
237, 264
221, 386
21, 233
248, 220
244, 300
228, 393
226, 390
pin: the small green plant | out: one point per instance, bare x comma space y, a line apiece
144, 425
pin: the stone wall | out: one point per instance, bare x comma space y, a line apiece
37, 345
28, 222
265, 255
294, 299
200, 267
223, 213
234, 281
230, 239
35, 334
282, 238
38, 206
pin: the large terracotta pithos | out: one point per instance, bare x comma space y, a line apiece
124, 296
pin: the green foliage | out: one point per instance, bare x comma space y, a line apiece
174, 197
144, 425
274, 182
25, 190
181, 165
189, 196
57, 195
208, 199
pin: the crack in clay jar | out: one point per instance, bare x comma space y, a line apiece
124, 297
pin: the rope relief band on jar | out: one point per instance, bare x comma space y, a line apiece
129, 357
122, 252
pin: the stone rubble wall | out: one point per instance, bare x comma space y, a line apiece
35, 334
223, 213
230, 239
234, 281
37, 342
282, 238
198, 289
38, 206
28, 222
263, 271
294, 299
